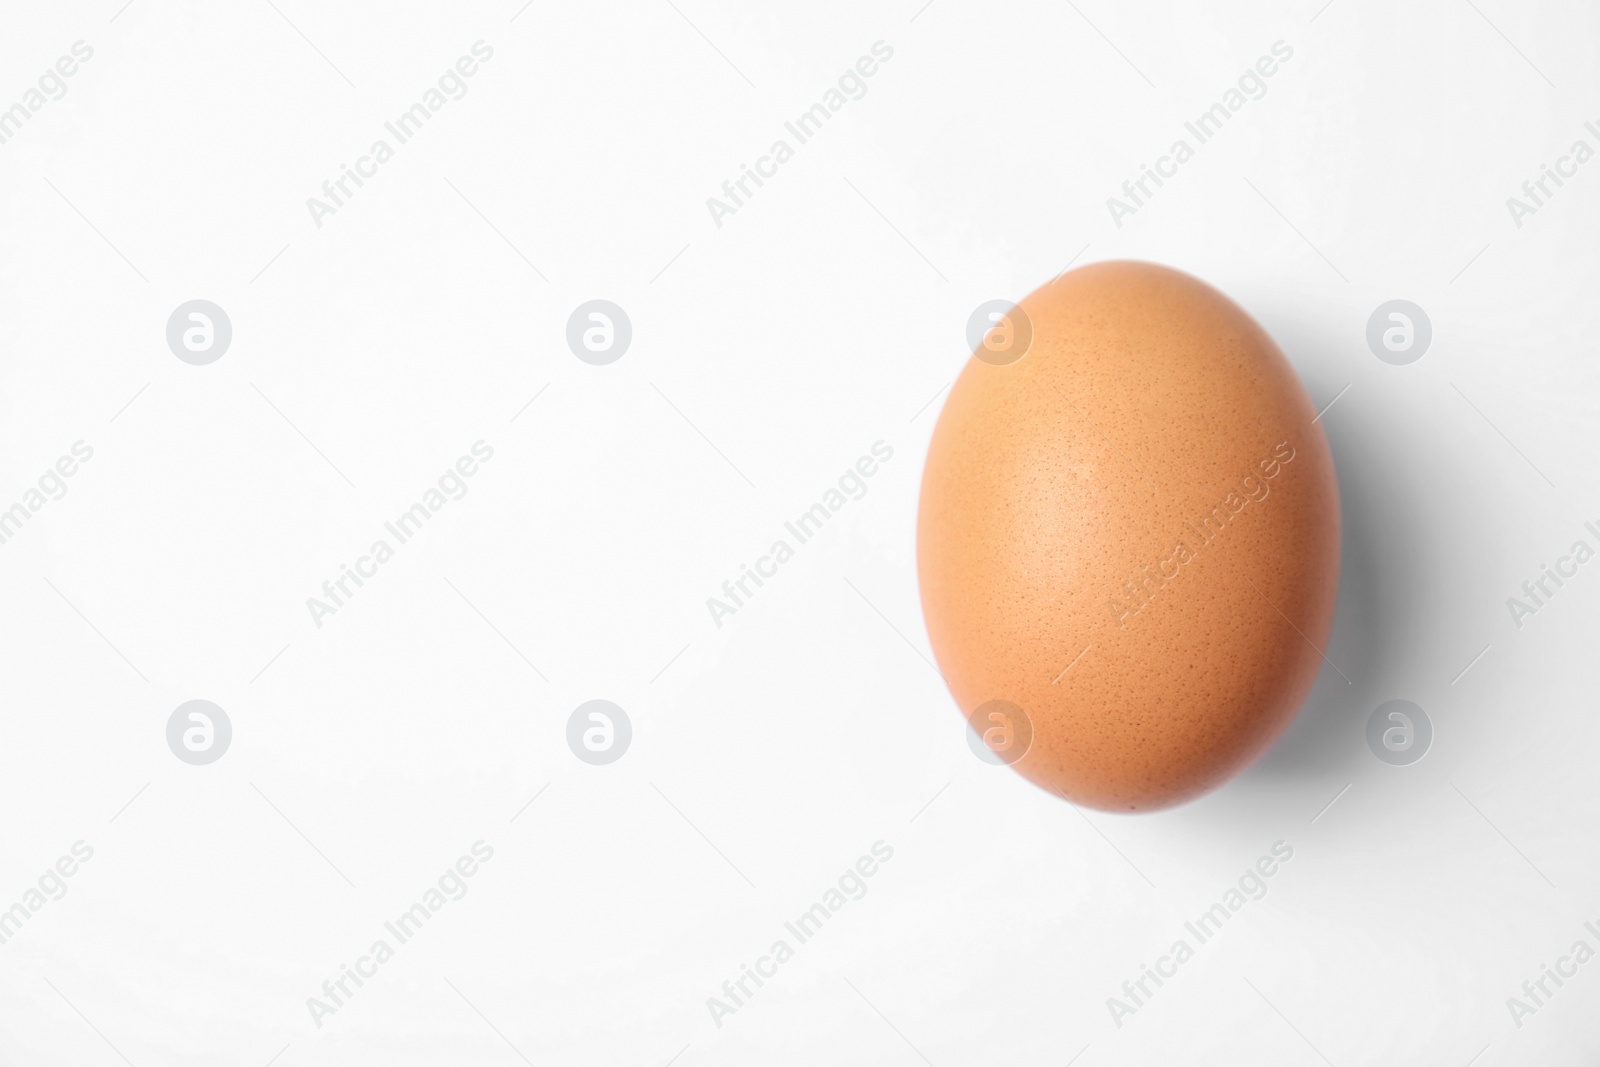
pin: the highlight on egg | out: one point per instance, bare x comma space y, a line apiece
1128, 538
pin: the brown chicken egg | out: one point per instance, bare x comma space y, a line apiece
1128, 538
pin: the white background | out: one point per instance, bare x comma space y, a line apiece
369, 353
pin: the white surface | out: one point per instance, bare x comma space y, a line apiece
794, 336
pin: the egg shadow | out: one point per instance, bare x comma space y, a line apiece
1366, 646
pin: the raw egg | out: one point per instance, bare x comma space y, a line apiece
1128, 538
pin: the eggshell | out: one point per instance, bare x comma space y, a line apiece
1131, 533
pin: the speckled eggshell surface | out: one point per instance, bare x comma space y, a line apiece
1131, 533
